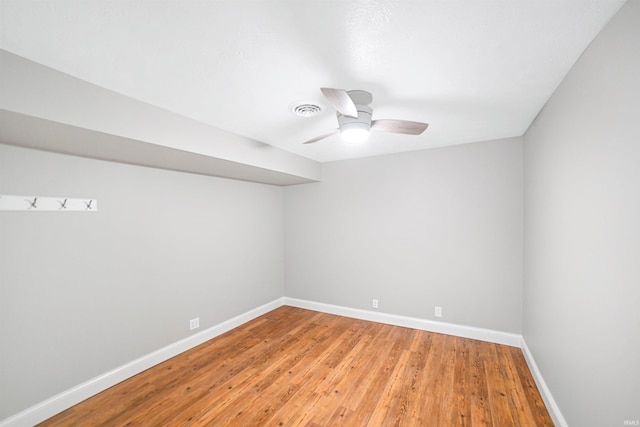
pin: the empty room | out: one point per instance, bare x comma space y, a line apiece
320, 213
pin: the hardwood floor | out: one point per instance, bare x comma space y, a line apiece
295, 367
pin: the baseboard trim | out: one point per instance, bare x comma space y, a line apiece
549, 401
498, 337
77, 394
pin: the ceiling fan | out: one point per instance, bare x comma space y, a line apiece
354, 117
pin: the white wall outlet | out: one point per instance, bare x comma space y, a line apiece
438, 312
194, 323
375, 303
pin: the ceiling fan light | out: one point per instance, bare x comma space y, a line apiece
354, 133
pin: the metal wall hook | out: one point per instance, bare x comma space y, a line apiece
32, 204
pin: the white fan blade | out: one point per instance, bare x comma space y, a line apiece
341, 101
406, 127
318, 138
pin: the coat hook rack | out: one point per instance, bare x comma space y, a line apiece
46, 204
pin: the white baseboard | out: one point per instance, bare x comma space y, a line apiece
498, 337
549, 401
77, 394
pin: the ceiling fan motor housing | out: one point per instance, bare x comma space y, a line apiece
363, 121
361, 99
355, 130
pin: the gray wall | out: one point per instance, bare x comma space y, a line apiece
81, 294
414, 230
582, 232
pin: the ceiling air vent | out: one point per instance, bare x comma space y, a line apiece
305, 109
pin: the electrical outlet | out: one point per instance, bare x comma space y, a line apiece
375, 303
438, 312
194, 323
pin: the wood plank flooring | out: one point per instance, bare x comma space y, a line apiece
295, 367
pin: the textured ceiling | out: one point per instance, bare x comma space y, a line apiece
474, 69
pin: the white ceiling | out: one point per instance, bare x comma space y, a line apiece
474, 69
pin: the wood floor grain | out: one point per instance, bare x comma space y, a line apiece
295, 367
